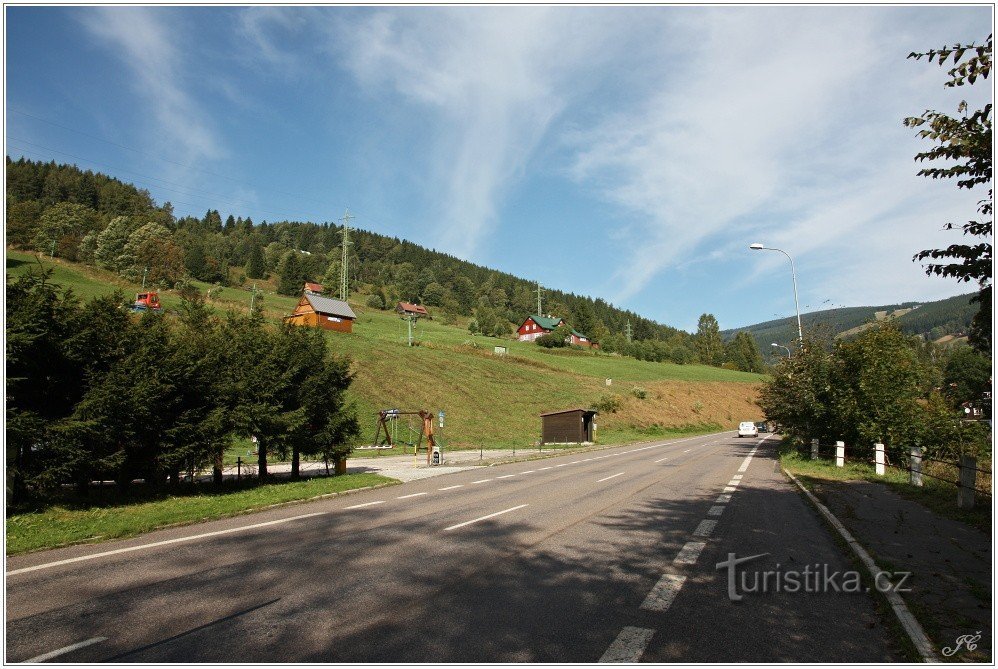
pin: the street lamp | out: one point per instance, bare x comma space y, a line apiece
775, 345
759, 247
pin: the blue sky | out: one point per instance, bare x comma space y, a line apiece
625, 153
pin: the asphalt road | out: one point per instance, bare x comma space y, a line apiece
603, 556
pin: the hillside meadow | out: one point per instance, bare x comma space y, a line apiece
489, 400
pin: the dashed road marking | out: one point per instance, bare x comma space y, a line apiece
689, 553
361, 506
629, 645
734, 482
723, 499
451, 487
662, 595
529, 471
660, 460
507, 476
610, 477
545, 468
477, 520
67, 649
415, 494
737, 477
705, 528
729, 488
716, 510
480, 481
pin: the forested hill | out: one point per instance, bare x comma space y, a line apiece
932, 320
96, 219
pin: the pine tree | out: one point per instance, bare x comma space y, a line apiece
291, 275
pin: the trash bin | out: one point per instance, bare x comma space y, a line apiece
436, 456
341, 466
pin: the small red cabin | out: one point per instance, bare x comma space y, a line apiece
409, 309
314, 288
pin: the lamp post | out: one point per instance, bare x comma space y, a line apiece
759, 247
775, 345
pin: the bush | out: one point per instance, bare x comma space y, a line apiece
640, 393
608, 404
376, 301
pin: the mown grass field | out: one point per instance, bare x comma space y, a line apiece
488, 400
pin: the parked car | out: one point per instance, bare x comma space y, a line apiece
763, 426
747, 429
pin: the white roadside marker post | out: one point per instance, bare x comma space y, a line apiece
840, 454
879, 458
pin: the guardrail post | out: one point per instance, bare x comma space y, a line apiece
814, 449
968, 479
239, 469
879, 458
840, 454
916, 465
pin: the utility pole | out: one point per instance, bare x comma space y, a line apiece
627, 332
411, 319
253, 299
344, 273
52, 251
144, 272
539, 291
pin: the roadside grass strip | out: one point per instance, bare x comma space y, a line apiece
57, 526
156, 544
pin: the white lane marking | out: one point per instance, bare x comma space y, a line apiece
481, 481
723, 499
729, 488
544, 468
687, 450
705, 528
689, 553
734, 483
660, 460
529, 471
629, 645
737, 477
415, 494
476, 520
562, 464
662, 595
68, 649
162, 543
610, 477
451, 487
506, 476
716, 510
361, 506
743, 467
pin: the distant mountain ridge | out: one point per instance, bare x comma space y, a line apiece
948, 318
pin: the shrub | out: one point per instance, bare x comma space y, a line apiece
640, 393
608, 403
376, 301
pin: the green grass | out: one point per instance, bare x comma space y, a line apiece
490, 401
936, 495
92, 520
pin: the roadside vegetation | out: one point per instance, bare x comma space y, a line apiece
106, 513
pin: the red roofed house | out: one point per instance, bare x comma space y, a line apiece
313, 288
537, 326
408, 309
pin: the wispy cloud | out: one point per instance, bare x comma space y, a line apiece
490, 83
148, 46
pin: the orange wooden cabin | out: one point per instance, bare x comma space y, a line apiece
322, 312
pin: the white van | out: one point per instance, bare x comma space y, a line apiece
747, 429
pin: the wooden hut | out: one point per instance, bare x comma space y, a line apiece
313, 288
568, 426
322, 312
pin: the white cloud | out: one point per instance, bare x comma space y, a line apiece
489, 82
148, 47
